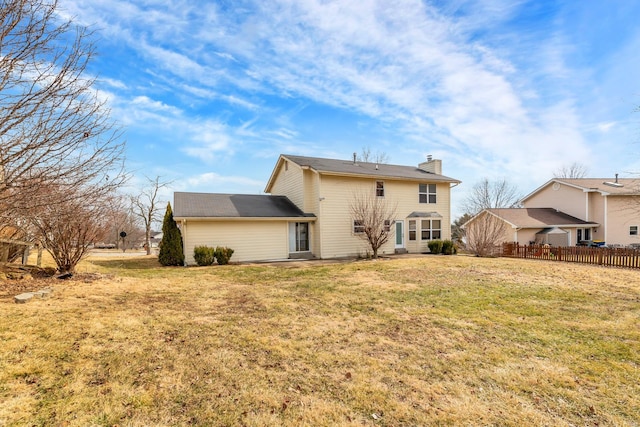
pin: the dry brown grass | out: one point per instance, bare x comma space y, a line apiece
424, 341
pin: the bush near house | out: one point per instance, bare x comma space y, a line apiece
435, 246
171, 245
445, 247
223, 255
204, 255
448, 247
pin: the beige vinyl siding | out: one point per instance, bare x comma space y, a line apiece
622, 213
250, 240
524, 235
570, 200
597, 214
311, 194
614, 214
336, 229
509, 233
413, 246
288, 182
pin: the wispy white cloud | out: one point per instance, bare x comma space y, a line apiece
208, 140
212, 178
496, 86
113, 83
149, 104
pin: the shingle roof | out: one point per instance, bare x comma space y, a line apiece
424, 215
215, 205
349, 167
538, 217
625, 186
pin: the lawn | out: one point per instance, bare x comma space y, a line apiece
433, 340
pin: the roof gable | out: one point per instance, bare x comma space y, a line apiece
215, 205
604, 186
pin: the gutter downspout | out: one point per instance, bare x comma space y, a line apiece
606, 216
586, 214
318, 224
184, 240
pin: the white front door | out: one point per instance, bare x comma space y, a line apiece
399, 234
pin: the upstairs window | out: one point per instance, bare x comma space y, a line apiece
380, 188
633, 230
427, 193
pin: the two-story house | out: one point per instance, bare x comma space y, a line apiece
307, 211
613, 204
567, 211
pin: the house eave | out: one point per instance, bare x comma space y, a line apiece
588, 225
442, 178
274, 172
245, 218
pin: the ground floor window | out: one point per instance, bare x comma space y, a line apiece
299, 236
412, 229
633, 230
583, 234
430, 229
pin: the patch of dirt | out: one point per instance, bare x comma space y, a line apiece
27, 283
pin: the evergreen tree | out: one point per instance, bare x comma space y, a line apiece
171, 252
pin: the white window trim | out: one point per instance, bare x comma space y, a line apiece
353, 227
428, 193
383, 188
415, 230
430, 229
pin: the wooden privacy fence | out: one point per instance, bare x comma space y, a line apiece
612, 257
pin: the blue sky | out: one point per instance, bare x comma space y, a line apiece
210, 93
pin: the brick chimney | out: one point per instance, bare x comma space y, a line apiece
431, 165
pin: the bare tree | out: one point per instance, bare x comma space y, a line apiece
121, 218
457, 232
574, 170
54, 128
487, 194
486, 230
69, 226
146, 206
373, 218
367, 156
484, 233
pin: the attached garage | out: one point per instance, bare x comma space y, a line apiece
256, 227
